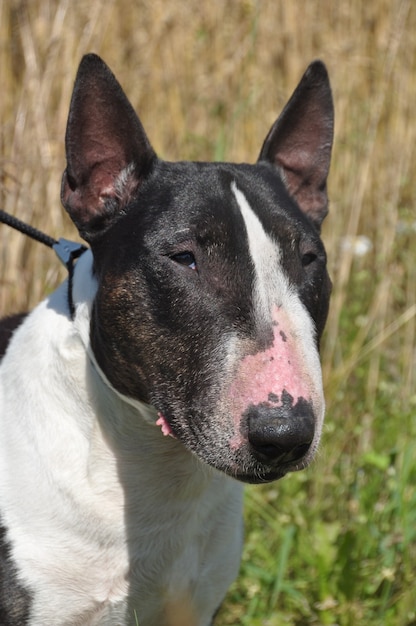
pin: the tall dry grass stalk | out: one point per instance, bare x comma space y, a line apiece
208, 79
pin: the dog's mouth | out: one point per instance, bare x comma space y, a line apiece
246, 470
265, 474
260, 478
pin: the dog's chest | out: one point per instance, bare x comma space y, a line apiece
123, 532
149, 577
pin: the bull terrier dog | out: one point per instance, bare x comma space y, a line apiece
187, 365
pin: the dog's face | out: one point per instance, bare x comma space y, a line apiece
212, 282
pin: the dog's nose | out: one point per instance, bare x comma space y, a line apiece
280, 435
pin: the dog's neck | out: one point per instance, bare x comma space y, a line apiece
84, 289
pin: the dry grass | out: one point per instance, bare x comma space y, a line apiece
208, 79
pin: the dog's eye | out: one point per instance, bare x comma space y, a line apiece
308, 258
185, 258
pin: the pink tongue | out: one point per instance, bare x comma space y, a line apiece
166, 429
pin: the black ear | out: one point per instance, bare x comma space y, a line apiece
108, 153
300, 142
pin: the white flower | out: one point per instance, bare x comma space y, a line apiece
360, 245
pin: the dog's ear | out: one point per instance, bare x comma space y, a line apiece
300, 142
108, 153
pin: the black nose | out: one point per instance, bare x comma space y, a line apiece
283, 434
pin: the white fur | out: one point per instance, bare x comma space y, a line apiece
106, 516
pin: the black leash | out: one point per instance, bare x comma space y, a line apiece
67, 251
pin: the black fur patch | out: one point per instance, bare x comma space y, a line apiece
7, 327
15, 601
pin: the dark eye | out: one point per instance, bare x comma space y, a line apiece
185, 258
308, 258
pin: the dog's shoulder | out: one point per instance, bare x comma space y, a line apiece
15, 600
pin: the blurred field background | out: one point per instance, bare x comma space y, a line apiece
335, 544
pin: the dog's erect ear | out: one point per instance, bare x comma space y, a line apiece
300, 142
108, 153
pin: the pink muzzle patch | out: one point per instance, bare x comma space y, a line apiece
269, 377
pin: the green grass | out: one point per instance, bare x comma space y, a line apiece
354, 563
336, 543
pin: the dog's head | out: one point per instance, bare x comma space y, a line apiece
212, 283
